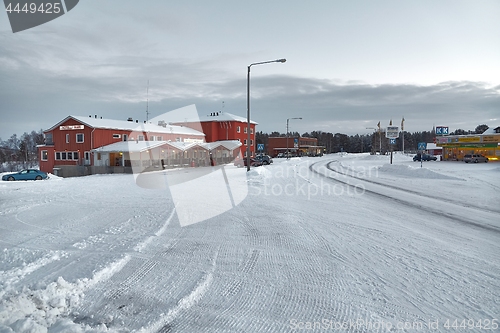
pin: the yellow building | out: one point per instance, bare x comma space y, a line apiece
456, 146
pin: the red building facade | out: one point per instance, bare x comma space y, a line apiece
301, 146
70, 142
221, 126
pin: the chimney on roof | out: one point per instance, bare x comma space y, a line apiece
130, 119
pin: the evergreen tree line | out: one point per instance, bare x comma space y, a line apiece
374, 142
20, 152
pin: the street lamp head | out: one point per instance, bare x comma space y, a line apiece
281, 60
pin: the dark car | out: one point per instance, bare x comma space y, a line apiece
241, 162
475, 158
424, 157
264, 159
28, 174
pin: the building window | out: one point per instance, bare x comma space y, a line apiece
245, 142
251, 142
48, 139
63, 156
159, 138
99, 156
75, 155
140, 138
45, 155
237, 129
125, 137
245, 129
116, 136
79, 138
251, 130
58, 156
67, 138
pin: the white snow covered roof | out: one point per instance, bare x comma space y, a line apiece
130, 146
216, 116
130, 126
139, 146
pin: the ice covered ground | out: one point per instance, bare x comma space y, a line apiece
340, 243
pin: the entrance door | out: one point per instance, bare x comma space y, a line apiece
87, 158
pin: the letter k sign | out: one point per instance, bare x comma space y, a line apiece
26, 14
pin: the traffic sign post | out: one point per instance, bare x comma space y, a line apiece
422, 146
392, 142
260, 147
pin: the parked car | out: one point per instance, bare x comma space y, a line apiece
241, 162
28, 174
424, 157
265, 159
475, 158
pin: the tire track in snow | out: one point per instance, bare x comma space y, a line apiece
185, 303
428, 209
439, 198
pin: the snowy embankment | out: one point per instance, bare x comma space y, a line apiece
307, 242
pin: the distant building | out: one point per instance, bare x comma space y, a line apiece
301, 146
456, 146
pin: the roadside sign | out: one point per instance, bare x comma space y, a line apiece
260, 146
422, 145
392, 141
392, 132
442, 130
295, 143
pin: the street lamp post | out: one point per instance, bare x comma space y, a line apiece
288, 119
248, 105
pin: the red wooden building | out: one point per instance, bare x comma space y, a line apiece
301, 146
222, 126
70, 142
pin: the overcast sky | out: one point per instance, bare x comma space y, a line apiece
350, 64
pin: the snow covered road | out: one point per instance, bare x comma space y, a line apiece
383, 248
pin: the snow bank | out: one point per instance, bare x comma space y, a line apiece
408, 171
44, 310
258, 175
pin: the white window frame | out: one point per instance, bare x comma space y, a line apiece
117, 136
83, 137
124, 137
245, 142
159, 138
140, 138
56, 153
67, 138
245, 130
44, 153
238, 129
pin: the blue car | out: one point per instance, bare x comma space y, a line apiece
28, 174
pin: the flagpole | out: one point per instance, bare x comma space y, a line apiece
403, 133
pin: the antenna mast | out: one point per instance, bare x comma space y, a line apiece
147, 102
